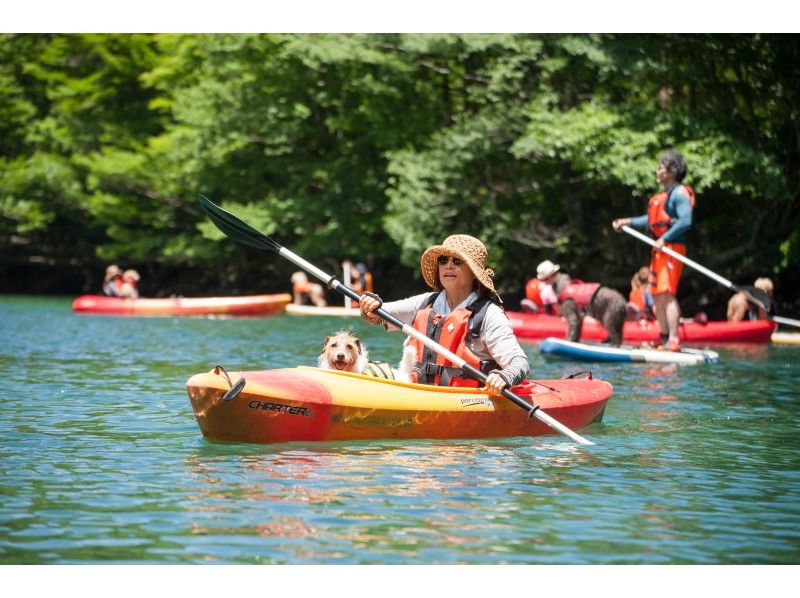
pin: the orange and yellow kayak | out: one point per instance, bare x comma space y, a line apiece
252, 305
311, 404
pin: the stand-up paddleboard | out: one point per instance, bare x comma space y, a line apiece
786, 338
590, 352
330, 310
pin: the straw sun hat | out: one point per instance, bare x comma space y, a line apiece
469, 249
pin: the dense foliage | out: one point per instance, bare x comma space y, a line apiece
374, 146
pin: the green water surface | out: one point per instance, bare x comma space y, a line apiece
102, 461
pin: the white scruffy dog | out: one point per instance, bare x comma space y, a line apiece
345, 352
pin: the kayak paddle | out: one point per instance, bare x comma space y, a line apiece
240, 231
755, 296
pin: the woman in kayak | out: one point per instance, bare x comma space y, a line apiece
464, 314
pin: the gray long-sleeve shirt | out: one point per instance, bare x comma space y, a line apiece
496, 342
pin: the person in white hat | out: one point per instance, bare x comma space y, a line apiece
112, 282
464, 313
577, 299
130, 284
739, 307
546, 269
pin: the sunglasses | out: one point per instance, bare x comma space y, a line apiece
444, 259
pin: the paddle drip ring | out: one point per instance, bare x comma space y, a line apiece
235, 389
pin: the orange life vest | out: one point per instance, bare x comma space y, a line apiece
454, 332
533, 292
580, 292
658, 220
637, 298
303, 287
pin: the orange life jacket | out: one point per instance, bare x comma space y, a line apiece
533, 292
658, 220
637, 298
454, 332
303, 287
580, 292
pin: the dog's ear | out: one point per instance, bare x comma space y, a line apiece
325, 342
358, 344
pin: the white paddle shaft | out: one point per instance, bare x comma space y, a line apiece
681, 258
713, 275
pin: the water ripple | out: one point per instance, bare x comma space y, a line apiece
103, 462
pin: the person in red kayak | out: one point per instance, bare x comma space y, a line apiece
539, 298
577, 299
640, 300
304, 290
739, 307
668, 218
112, 282
464, 314
130, 284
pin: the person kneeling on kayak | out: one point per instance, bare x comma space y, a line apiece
740, 307
303, 290
464, 313
579, 299
640, 300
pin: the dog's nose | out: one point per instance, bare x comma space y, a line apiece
340, 356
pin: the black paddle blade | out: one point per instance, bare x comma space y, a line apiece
756, 296
235, 228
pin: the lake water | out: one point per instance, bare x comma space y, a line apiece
103, 462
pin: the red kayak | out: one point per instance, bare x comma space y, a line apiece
253, 305
539, 326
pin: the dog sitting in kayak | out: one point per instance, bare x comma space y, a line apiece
345, 352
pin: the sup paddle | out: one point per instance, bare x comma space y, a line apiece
240, 231
755, 296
